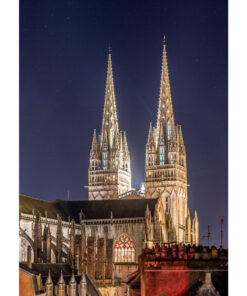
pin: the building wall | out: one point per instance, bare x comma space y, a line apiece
25, 284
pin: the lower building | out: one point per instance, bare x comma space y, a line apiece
101, 237
179, 271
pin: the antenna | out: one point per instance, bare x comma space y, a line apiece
221, 230
207, 236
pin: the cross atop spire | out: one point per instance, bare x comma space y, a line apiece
109, 49
164, 39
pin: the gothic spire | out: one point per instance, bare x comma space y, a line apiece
125, 144
110, 120
94, 147
72, 278
49, 280
181, 140
61, 279
150, 136
165, 109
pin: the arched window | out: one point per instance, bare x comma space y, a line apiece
124, 249
162, 155
104, 160
171, 158
169, 130
112, 135
167, 205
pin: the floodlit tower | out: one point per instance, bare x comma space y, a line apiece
109, 173
165, 165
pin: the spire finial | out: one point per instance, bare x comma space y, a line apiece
164, 39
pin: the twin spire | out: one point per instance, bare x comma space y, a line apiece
165, 115
110, 119
109, 169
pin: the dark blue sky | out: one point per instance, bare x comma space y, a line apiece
63, 59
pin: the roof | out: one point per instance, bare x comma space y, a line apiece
55, 269
93, 209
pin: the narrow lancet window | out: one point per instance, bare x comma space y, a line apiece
171, 158
105, 161
162, 155
169, 130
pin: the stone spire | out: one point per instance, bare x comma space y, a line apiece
94, 148
83, 285
195, 227
109, 172
188, 228
61, 285
72, 285
125, 145
150, 143
49, 285
165, 166
110, 120
165, 109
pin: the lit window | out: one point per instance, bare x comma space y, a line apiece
112, 135
162, 155
104, 160
171, 158
124, 249
169, 130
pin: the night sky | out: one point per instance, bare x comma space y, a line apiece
63, 59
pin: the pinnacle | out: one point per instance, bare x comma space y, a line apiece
49, 280
61, 279
72, 279
83, 279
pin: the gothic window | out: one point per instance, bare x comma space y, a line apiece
169, 130
104, 160
182, 162
124, 249
162, 155
112, 135
166, 204
171, 158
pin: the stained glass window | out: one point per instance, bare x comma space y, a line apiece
124, 249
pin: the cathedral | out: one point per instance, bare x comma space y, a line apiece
104, 235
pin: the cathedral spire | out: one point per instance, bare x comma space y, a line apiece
94, 143
150, 137
125, 144
110, 120
165, 109
181, 139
